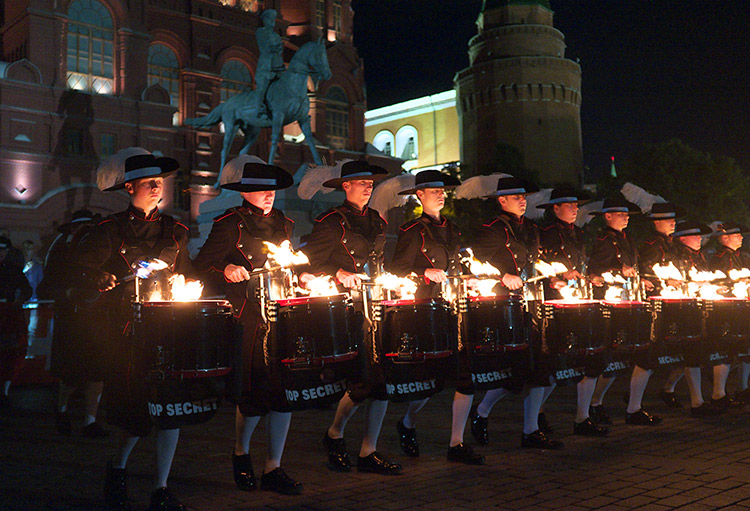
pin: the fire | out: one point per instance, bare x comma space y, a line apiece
283, 255
739, 289
180, 290
147, 267
476, 266
484, 287
613, 293
611, 278
705, 276
739, 274
322, 286
404, 287
667, 272
571, 293
550, 269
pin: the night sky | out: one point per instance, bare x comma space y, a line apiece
652, 69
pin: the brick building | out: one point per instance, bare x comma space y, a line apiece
81, 79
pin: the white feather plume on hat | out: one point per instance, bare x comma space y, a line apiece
533, 200
232, 171
584, 212
479, 186
640, 197
111, 172
316, 175
386, 194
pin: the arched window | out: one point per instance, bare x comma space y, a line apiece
337, 118
337, 15
406, 143
164, 69
235, 77
384, 142
90, 47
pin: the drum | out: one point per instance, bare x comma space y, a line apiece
417, 339
628, 325
573, 327
496, 342
677, 328
190, 347
313, 348
727, 327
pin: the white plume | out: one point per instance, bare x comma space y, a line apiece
640, 197
715, 226
386, 194
479, 186
584, 212
232, 171
533, 200
314, 178
111, 172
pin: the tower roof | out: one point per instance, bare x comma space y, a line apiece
492, 4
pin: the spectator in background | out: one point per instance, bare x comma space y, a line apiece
33, 266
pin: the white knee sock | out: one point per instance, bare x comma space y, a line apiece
638, 382
461, 408
586, 389
532, 403
166, 445
693, 380
277, 427
374, 415
490, 398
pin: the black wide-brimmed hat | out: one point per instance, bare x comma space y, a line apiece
617, 205
513, 186
356, 170
690, 228
5, 243
665, 211
130, 164
79, 216
431, 179
563, 195
250, 174
723, 228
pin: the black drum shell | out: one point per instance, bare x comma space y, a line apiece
187, 339
495, 324
574, 327
728, 320
628, 325
676, 321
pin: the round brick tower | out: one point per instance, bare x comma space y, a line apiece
519, 90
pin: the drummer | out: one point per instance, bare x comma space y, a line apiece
613, 251
14, 290
234, 248
106, 255
562, 242
510, 243
347, 241
660, 248
428, 246
729, 236
688, 238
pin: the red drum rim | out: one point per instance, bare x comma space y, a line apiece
420, 301
665, 299
495, 298
623, 303
725, 299
186, 303
301, 300
570, 304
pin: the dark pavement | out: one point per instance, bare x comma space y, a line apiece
684, 463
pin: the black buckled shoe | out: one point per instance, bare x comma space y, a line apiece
242, 466
116, 488
277, 480
704, 410
669, 399
338, 458
163, 500
376, 464
743, 396
726, 404
94, 430
408, 439
642, 418
589, 428
544, 425
463, 453
479, 427
538, 440
62, 423
599, 415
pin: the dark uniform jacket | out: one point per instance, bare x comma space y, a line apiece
688, 258
509, 243
562, 242
14, 290
237, 238
726, 259
426, 243
346, 238
611, 250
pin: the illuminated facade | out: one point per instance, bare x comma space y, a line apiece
81, 79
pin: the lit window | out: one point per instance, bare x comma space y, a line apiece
90, 43
407, 147
164, 69
337, 15
320, 13
337, 118
235, 77
384, 142
107, 145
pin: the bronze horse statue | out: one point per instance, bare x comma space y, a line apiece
286, 102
